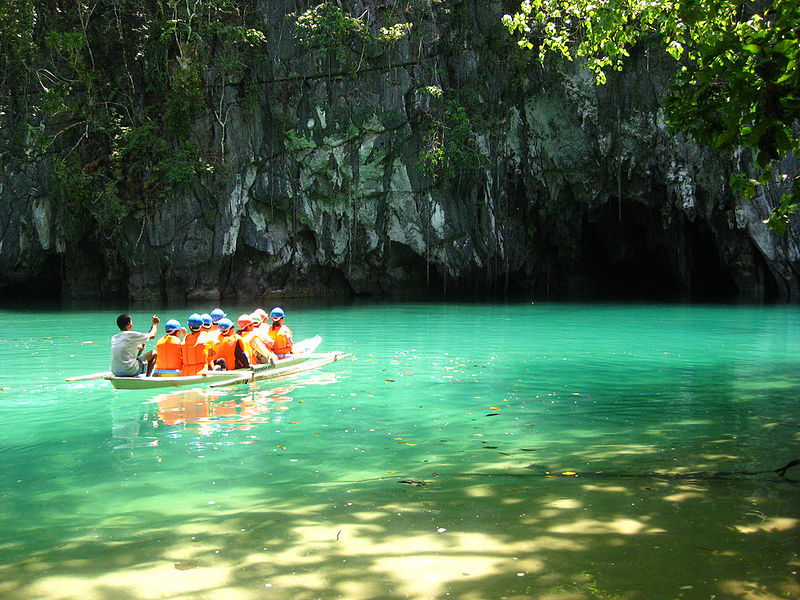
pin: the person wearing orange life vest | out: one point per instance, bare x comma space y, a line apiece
262, 326
280, 334
211, 325
169, 360
195, 347
258, 352
230, 351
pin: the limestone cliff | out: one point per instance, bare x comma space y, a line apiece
580, 191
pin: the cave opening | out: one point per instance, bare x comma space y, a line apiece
636, 260
709, 279
624, 260
45, 286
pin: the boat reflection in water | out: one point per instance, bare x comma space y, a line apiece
204, 412
207, 412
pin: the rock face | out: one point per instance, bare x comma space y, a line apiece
582, 190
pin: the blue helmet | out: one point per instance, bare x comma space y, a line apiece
172, 325
224, 324
207, 321
217, 314
276, 313
194, 321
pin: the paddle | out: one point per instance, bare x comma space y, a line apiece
101, 375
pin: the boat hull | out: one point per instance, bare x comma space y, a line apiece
306, 348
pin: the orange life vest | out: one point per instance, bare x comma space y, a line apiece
169, 353
226, 348
194, 353
256, 347
281, 337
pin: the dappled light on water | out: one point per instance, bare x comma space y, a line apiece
563, 466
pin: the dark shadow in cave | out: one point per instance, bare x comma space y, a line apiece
46, 286
619, 261
632, 260
709, 280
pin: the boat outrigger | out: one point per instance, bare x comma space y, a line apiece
303, 359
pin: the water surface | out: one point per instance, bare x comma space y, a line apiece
548, 451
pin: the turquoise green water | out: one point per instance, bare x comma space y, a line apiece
291, 489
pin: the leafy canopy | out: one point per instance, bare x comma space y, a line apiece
737, 84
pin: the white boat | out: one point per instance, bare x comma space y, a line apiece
303, 352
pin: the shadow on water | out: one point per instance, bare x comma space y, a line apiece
651, 499
481, 535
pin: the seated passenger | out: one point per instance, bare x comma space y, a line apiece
280, 334
230, 349
195, 347
169, 360
258, 352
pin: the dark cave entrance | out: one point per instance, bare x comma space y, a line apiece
636, 260
46, 286
709, 280
619, 261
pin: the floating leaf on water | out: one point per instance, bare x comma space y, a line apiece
389, 380
416, 482
490, 447
4, 389
494, 408
185, 566
569, 473
492, 414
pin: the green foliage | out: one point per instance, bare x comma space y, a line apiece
332, 37
17, 42
738, 79
109, 91
451, 155
394, 33
327, 29
185, 100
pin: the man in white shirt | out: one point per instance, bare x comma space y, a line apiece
125, 346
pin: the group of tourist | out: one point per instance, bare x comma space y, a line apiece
208, 342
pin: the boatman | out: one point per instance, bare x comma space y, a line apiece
280, 334
230, 351
170, 360
126, 346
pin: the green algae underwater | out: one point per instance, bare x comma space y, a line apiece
467, 451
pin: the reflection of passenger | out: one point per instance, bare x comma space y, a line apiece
182, 407
212, 411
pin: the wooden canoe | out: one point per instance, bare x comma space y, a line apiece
304, 351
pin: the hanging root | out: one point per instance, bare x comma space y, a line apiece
782, 471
